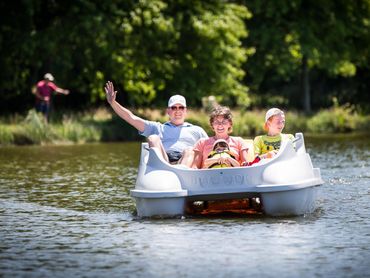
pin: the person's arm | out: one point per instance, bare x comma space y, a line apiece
270, 154
244, 157
56, 89
62, 91
37, 94
257, 146
220, 160
210, 161
243, 148
198, 157
230, 161
121, 111
198, 154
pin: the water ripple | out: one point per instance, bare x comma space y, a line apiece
66, 211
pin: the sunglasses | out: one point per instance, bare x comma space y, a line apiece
220, 123
174, 108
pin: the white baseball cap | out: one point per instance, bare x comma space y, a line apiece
176, 99
49, 76
272, 112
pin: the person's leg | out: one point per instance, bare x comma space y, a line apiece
187, 158
38, 107
42, 108
155, 141
47, 111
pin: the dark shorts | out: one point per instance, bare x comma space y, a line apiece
43, 107
174, 156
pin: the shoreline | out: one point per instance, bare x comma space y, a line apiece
102, 125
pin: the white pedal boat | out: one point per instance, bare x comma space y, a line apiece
286, 184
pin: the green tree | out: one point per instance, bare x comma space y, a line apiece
149, 48
302, 36
67, 38
193, 47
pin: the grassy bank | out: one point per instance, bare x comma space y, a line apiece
101, 125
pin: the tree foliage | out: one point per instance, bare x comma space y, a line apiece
153, 48
150, 48
193, 47
327, 37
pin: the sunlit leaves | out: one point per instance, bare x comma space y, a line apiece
332, 35
345, 68
152, 48
193, 48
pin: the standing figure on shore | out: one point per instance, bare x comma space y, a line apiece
43, 92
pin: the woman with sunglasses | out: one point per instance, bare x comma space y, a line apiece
221, 123
174, 139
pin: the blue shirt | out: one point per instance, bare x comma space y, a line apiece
173, 137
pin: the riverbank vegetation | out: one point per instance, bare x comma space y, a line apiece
102, 125
250, 55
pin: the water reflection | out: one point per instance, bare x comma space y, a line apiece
66, 211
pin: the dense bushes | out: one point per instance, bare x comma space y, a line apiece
338, 119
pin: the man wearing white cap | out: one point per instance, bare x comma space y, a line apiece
174, 138
43, 92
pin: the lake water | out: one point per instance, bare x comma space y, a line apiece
65, 211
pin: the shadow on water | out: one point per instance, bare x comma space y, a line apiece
226, 218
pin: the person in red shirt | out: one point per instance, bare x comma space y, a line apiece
43, 92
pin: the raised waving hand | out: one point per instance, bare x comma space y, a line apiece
121, 111
110, 92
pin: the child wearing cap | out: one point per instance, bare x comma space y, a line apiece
220, 156
266, 146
